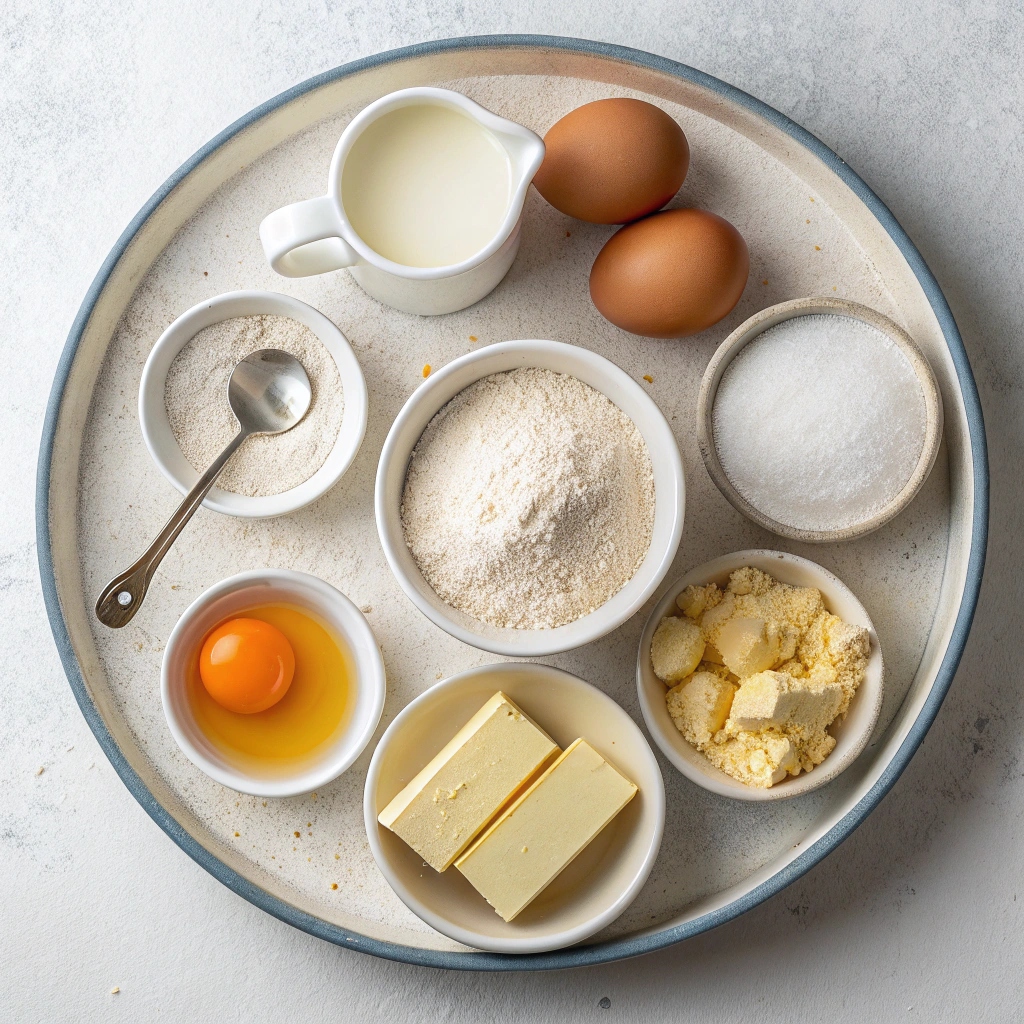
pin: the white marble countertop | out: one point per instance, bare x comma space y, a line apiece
917, 915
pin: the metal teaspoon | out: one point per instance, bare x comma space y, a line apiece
269, 393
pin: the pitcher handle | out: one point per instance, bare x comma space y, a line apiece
305, 239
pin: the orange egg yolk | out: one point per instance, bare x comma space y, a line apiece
246, 665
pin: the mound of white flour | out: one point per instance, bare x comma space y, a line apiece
529, 500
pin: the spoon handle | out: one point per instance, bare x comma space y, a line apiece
122, 597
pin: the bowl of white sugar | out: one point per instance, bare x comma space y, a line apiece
530, 497
819, 419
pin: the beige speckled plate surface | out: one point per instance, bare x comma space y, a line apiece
813, 228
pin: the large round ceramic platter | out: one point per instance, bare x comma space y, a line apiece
813, 228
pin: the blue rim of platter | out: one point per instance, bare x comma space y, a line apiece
615, 949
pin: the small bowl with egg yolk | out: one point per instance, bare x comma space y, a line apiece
324, 718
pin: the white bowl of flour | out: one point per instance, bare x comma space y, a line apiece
610, 538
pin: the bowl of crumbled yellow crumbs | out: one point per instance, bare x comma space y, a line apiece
760, 675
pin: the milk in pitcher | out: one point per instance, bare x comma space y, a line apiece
426, 186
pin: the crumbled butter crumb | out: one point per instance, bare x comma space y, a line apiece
776, 669
700, 706
751, 645
694, 601
758, 759
115, 990
676, 649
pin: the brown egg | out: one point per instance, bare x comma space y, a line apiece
672, 274
612, 161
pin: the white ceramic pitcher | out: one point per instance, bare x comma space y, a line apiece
316, 236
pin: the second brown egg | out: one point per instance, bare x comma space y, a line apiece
675, 273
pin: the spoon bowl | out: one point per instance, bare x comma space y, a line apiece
269, 392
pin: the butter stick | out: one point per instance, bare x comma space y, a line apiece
549, 825
488, 762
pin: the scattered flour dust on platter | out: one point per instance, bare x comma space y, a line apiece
529, 500
196, 399
819, 422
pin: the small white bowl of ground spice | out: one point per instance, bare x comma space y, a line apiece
530, 497
186, 421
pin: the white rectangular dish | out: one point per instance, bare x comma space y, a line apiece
813, 228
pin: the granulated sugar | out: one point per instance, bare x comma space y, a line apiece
819, 422
196, 399
529, 500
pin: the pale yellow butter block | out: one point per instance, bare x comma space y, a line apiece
549, 825
484, 766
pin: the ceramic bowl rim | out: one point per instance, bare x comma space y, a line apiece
664, 455
466, 936
156, 428
697, 768
746, 333
353, 740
